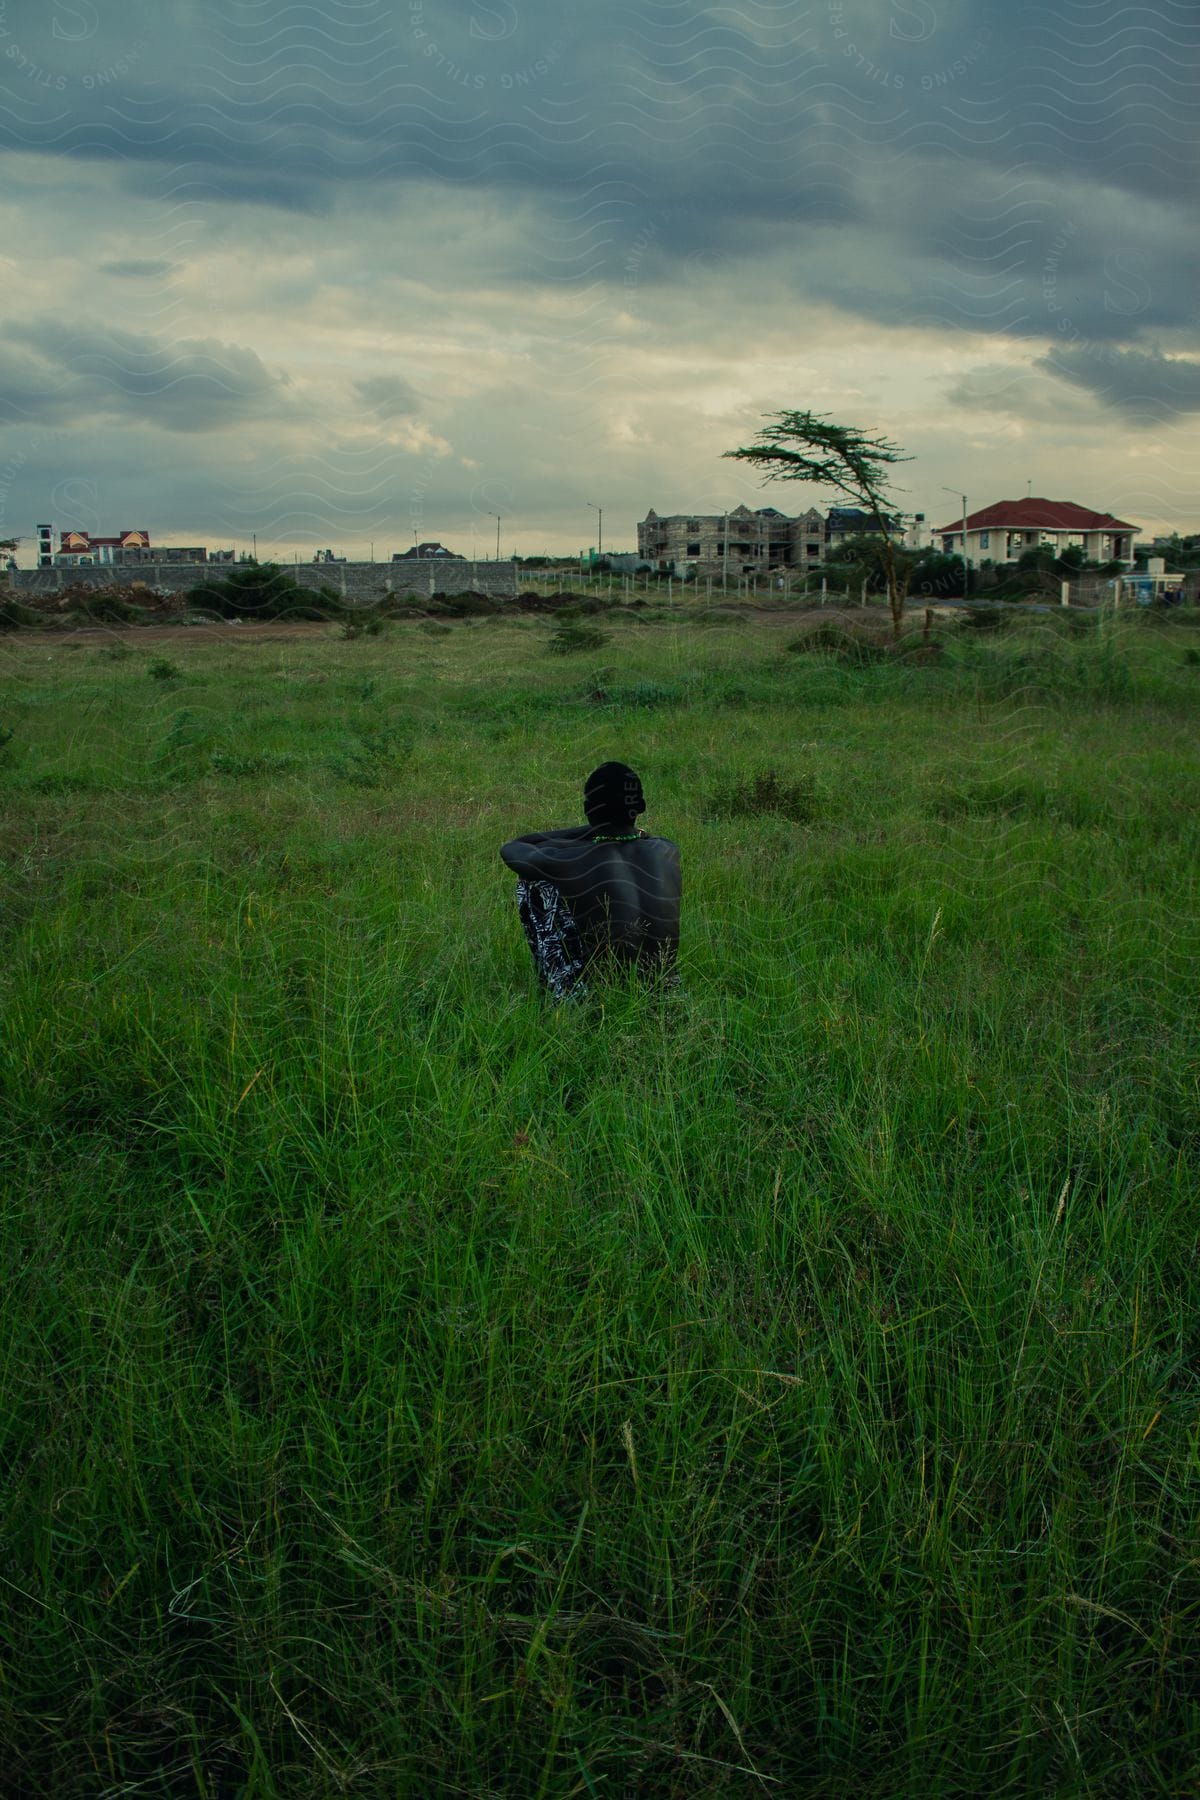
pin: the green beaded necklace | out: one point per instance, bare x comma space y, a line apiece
628, 837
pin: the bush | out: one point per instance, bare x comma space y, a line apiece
163, 670
850, 647
572, 640
14, 616
365, 622
984, 618
766, 794
467, 605
102, 606
265, 592
586, 605
540, 603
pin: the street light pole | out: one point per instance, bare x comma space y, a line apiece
966, 558
599, 527
496, 516
725, 553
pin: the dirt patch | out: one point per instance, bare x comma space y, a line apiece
295, 631
178, 634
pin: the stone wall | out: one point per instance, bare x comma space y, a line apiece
353, 581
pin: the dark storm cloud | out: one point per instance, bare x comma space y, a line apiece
1145, 386
768, 105
76, 371
1016, 171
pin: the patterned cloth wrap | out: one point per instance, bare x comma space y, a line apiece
554, 940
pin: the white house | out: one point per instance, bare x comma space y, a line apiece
1004, 531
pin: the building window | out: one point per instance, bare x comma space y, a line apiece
812, 549
693, 524
693, 549
985, 539
720, 549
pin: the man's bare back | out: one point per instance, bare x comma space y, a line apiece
599, 891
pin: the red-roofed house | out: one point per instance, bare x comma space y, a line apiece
1003, 532
78, 549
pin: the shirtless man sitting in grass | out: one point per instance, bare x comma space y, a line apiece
604, 892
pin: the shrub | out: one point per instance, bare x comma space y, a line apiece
262, 591
365, 622
766, 794
14, 616
586, 605
571, 640
850, 647
467, 605
984, 618
537, 603
102, 606
161, 669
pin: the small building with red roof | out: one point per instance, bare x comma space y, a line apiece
1004, 531
79, 549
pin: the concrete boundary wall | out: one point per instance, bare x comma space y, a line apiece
353, 581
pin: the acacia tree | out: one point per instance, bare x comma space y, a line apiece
806, 446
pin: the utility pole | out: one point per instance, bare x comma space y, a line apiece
599, 527
966, 558
496, 516
725, 553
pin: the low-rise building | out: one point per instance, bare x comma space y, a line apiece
428, 551
738, 542
842, 522
1004, 531
86, 549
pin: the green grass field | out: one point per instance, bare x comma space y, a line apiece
788, 1385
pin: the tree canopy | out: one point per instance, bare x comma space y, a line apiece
808, 446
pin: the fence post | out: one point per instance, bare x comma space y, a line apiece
1065, 595
823, 582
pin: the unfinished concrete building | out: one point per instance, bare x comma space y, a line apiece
735, 543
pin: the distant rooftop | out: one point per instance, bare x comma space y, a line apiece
1033, 514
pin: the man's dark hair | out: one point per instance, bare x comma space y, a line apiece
612, 797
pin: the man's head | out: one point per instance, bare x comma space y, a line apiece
612, 797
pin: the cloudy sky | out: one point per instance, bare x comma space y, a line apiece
345, 271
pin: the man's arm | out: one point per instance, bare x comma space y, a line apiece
531, 856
